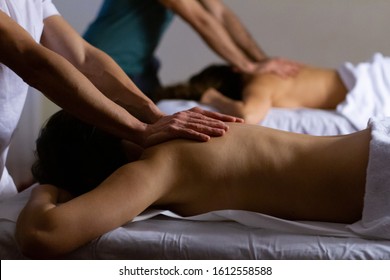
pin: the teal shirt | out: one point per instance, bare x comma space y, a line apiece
130, 31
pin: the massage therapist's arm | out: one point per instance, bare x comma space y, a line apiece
212, 32
221, 29
50, 67
109, 78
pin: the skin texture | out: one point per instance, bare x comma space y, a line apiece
287, 175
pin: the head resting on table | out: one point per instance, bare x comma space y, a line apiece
74, 155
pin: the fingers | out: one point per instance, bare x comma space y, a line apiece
179, 129
216, 116
197, 116
194, 124
282, 67
287, 67
172, 133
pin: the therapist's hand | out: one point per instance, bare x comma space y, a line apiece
195, 124
282, 67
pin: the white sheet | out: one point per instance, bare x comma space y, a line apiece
257, 220
163, 235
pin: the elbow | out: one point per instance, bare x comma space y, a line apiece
33, 245
38, 242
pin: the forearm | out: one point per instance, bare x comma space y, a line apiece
211, 30
241, 36
62, 83
223, 103
216, 37
47, 228
99, 68
252, 111
115, 84
250, 114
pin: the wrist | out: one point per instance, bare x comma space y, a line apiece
137, 134
247, 67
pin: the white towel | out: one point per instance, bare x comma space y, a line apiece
369, 90
375, 222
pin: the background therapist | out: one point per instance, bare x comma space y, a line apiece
130, 31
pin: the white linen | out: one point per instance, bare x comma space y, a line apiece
368, 84
375, 221
163, 237
257, 220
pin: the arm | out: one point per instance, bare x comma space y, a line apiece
60, 81
243, 39
236, 30
252, 108
99, 68
212, 31
221, 29
110, 79
47, 229
56, 76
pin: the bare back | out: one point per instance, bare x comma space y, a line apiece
287, 175
311, 88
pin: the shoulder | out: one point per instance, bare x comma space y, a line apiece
171, 148
184, 8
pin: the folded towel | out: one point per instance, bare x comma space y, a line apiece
375, 220
369, 90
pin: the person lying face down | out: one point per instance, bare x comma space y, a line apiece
286, 175
250, 96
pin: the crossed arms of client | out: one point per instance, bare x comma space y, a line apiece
110, 182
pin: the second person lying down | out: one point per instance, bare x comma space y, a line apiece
356, 91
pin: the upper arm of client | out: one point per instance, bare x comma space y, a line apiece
46, 228
252, 108
256, 102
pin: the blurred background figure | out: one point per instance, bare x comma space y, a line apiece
131, 30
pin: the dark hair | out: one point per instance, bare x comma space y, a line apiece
74, 155
221, 77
